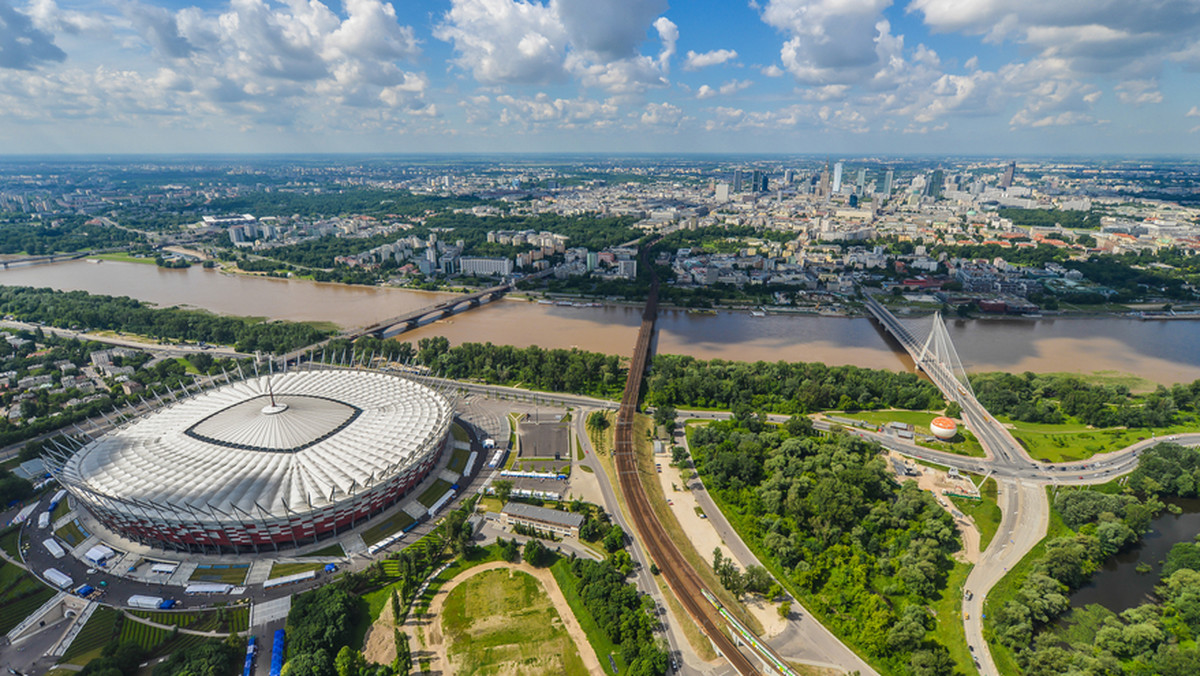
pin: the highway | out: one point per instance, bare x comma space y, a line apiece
1025, 508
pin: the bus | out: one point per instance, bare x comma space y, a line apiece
277, 653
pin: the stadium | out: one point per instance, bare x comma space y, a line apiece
262, 463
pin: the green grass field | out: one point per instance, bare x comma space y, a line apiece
123, 258
334, 549
71, 533
10, 541
459, 433
228, 573
965, 444
500, 621
458, 460
948, 616
601, 644
20, 594
61, 510
285, 569
1073, 441
985, 512
97, 633
394, 523
431, 494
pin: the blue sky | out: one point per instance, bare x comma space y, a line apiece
793, 76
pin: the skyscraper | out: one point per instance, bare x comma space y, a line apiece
1007, 179
837, 178
860, 181
737, 180
887, 183
823, 185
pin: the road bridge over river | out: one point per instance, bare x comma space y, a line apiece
1025, 508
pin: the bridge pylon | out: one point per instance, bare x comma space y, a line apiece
939, 348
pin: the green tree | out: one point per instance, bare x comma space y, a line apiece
403, 662
535, 553
503, 489
349, 662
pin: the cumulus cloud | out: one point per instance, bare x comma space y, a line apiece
1194, 112
831, 41
23, 45
662, 115
1090, 36
506, 41
515, 41
543, 110
698, 60
726, 89
1138, 92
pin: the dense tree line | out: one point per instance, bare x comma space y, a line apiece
1051, 399
865, 554
618, 610
78, 308
1152, 638
592, 232
783, 387
67, 234
320, 623
556, 370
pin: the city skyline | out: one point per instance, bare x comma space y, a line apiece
803, 76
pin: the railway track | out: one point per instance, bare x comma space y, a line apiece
679, 574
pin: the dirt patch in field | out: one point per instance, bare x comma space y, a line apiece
428, 641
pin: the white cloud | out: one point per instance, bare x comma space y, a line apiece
1138, 92
697, 60
506, 41
514, 41
662, 115
1090, 36
542, 110
1194, 112
772, 71
24, 45
831, 41
726, 89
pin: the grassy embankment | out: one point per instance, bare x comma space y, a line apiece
964, 444
985, 512
1072, 441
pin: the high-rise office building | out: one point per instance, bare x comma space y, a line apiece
860, 181
722, 192
837, 178
887, 183
1007, 179
823, 185
737, 180
789, 176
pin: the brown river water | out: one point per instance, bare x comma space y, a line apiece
1160, 351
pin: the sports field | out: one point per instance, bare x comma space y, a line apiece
502, 622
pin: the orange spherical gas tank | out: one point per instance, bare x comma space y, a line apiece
943, 428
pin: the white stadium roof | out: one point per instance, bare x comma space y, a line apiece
329, 435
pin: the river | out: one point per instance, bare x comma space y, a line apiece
1117, 585
1162, 352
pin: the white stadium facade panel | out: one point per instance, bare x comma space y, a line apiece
263, 463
